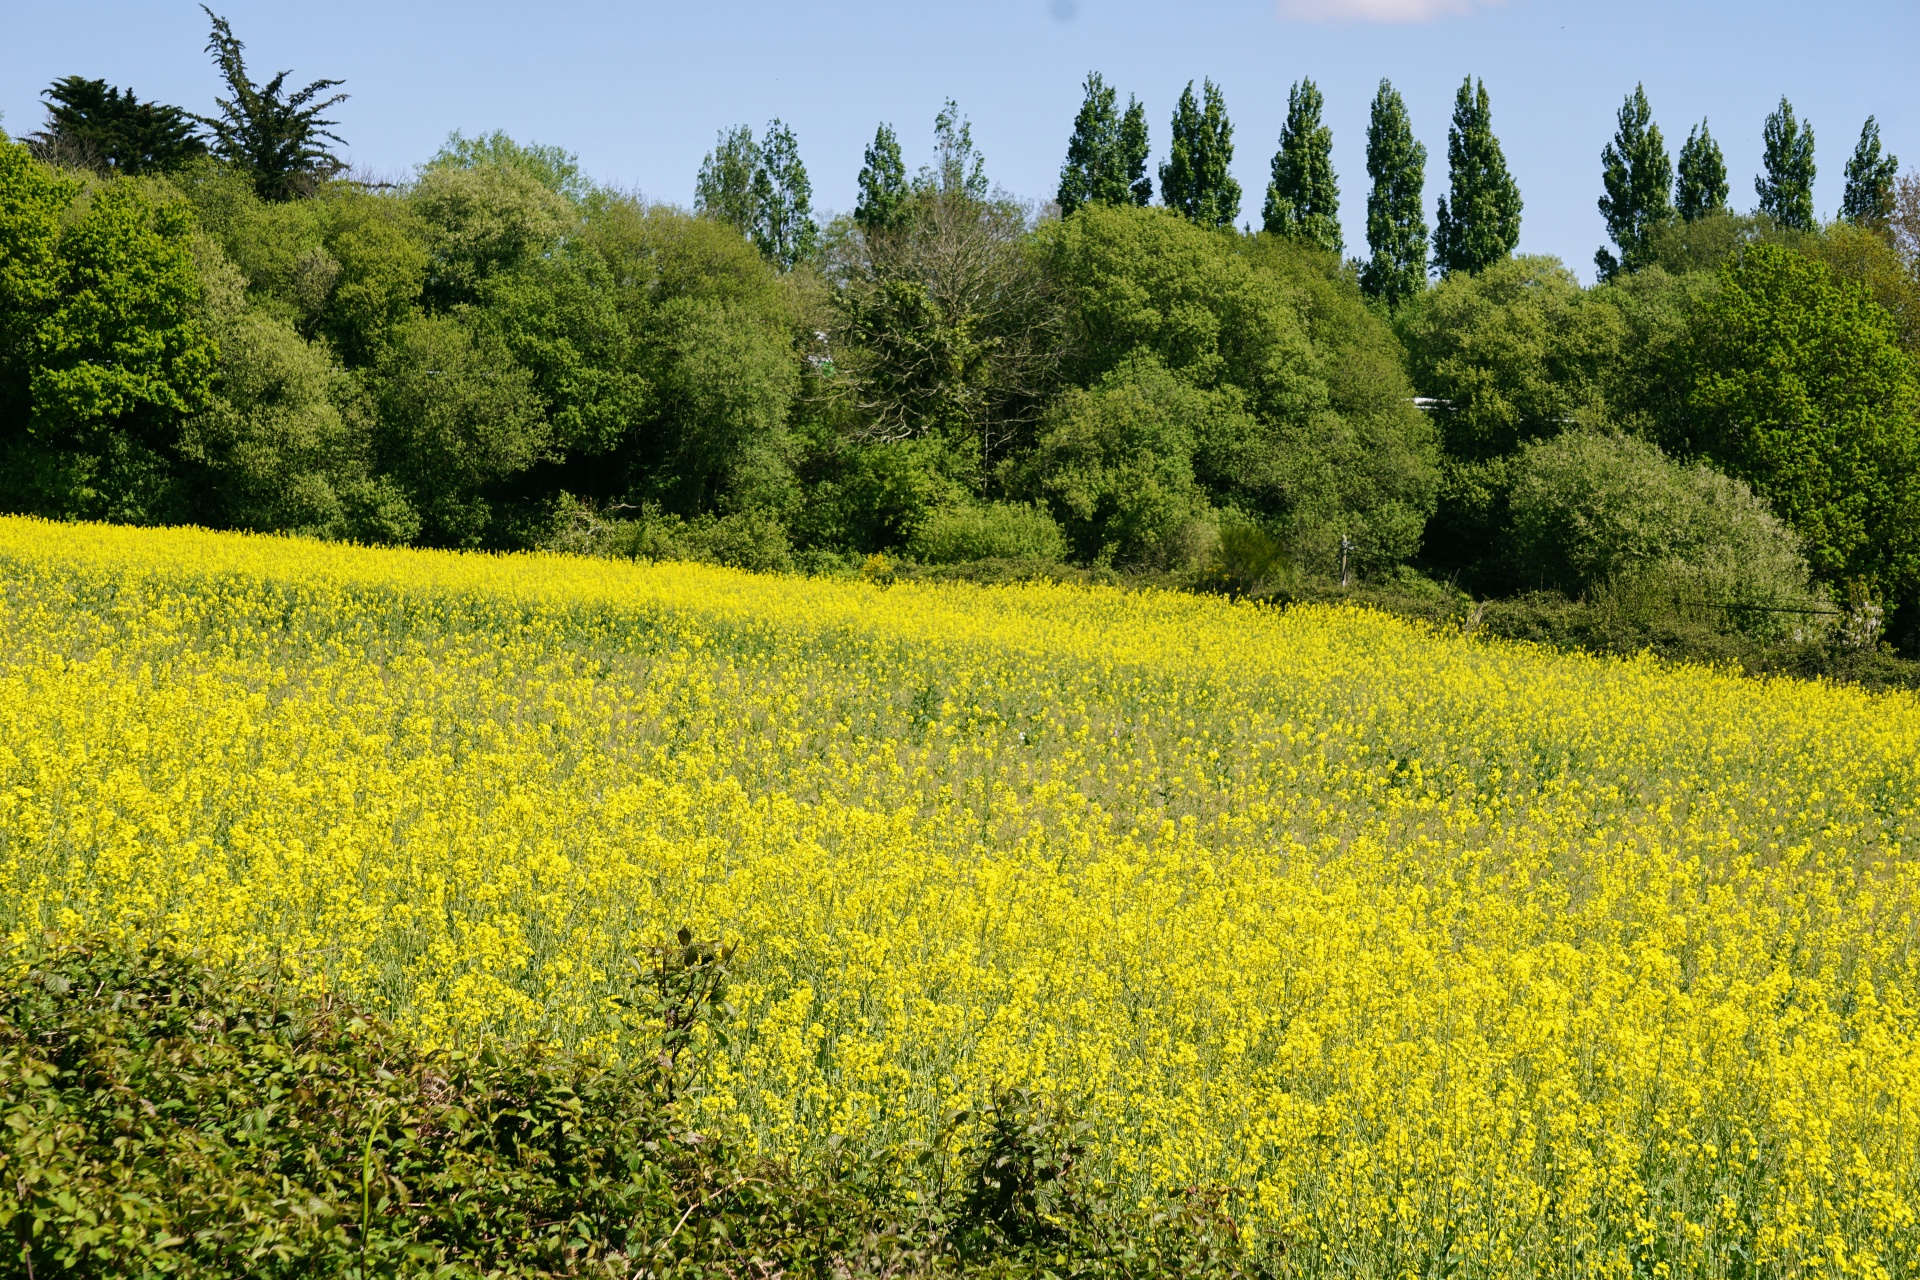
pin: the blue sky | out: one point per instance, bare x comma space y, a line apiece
639, 89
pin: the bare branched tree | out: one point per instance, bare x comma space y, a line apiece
1905, 223
945, 322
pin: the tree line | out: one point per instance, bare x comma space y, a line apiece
207, 319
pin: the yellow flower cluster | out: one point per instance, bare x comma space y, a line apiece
1446, 957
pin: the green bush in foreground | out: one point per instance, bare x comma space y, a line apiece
164, 1119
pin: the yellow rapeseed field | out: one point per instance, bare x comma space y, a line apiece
1447, 957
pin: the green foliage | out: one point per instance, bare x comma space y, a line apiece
1107, 154
882, 182
1303, 199
1801, 389
106, 348
784, 230
1196, 179
285, 441
276, 138
761, 190
958, 169
751, 540
1512, 354
1870, 176
1786, 188
110, 131
555, 168
1312, 428
1639, 177
1702, 189
456, 416
1478, 223
1591, 509
996, 531
1116, 462
167, 1118
1396, 225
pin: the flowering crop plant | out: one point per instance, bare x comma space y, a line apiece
1442, 957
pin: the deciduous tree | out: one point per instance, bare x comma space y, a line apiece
1702, 189
1396, 222
1303, 198
1870, 175
1638, 176
1786, 188
1107, 154
883, 183
1478, 223
1196, 179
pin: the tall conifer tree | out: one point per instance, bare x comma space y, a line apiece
1478, 222
1703, 186
883, 183
1396, 219
1870, 175
1638, 176
1196, 178
1107, 155
1303, 199
1786, 188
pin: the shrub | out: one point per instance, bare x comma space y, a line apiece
165, 1118
997, 531
1592, 510
753, 540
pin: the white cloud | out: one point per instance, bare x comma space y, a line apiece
1378, 10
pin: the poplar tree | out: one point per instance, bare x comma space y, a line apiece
1396, 221
1195, 179
723, 189
1478, 224
1107, 155
1134, 150
1786, 188
1638, 176
1303, 199
761, 190
883, 183
1703, 186
1870, 175
783, 228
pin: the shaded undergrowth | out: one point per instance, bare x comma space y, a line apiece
162, 1117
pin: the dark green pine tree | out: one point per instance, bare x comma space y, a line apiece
1786, 188
883, 184
1703, 186
276, 138
112, 131
1303, 199
1195, 179
1870, 175
1638, 176
1396, 219
1107, 155
1478, 222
